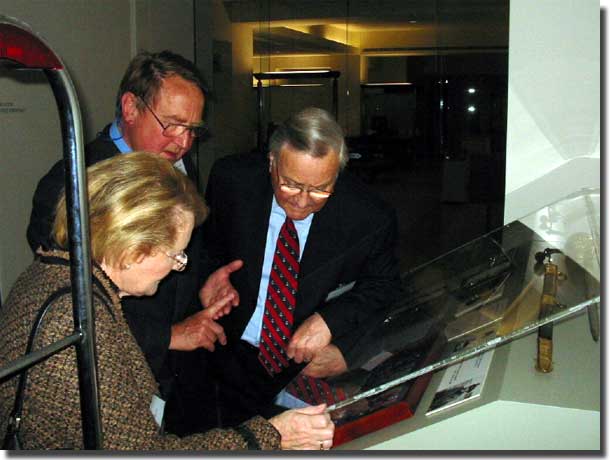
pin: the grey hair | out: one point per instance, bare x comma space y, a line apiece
312, 131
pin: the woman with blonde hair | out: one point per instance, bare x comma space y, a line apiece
142, 212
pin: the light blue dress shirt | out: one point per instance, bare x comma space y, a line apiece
119, 142
117, 138
252, 333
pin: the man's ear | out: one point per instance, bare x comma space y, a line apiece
129, 107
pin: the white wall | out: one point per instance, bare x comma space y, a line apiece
553, 136
95, 39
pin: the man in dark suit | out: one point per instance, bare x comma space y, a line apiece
339, 275
159, 108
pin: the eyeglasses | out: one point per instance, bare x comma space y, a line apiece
175, 129
295, 189
180, 260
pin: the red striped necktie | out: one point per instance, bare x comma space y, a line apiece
281, 300
314, 391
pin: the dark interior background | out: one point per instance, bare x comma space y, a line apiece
422, 96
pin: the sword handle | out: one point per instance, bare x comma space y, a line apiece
548, 300
544, 362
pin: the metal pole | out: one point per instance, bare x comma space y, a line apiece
80, 266
27, 361
336, 98
259, 97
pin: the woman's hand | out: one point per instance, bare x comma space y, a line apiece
303, 429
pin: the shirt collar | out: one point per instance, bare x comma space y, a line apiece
279, 211
117, 137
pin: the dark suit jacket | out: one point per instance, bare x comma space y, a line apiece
351, 239
150, 318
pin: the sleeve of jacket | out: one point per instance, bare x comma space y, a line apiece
43, 207
376, 288
126, 388
125, 391
254, 434
50, 187
150, 325
212, 255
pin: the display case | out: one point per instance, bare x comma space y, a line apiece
517, 280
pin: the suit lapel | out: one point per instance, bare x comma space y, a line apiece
191, 170
182, 282
256, 223
324, 241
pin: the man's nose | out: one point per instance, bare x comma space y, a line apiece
303, 198
184, 140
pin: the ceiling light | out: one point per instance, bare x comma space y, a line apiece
318, 72
301, 84
388, 84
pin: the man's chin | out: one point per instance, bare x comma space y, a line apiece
173, 157
298, 214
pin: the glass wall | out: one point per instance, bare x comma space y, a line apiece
421, 95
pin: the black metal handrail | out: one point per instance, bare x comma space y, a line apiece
21, 48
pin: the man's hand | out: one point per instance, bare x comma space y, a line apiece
200, 330
328, 362
218, 285
308, 339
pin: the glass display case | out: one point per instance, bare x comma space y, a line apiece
516, 280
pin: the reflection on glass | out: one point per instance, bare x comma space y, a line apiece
508, 283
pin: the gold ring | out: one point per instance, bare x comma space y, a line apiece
321, 445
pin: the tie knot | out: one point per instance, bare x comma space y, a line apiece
291, 231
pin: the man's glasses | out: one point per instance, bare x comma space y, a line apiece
180, 260
175, 129
295, 189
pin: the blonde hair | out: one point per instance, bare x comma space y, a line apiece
135, 204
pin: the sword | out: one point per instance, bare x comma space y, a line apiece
548, 301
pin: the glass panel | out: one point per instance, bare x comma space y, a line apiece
299, 89
421, 98
503, 285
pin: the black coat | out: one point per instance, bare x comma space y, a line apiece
352, 239
150, 318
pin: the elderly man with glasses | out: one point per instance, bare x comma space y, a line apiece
319, 253
159, 109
